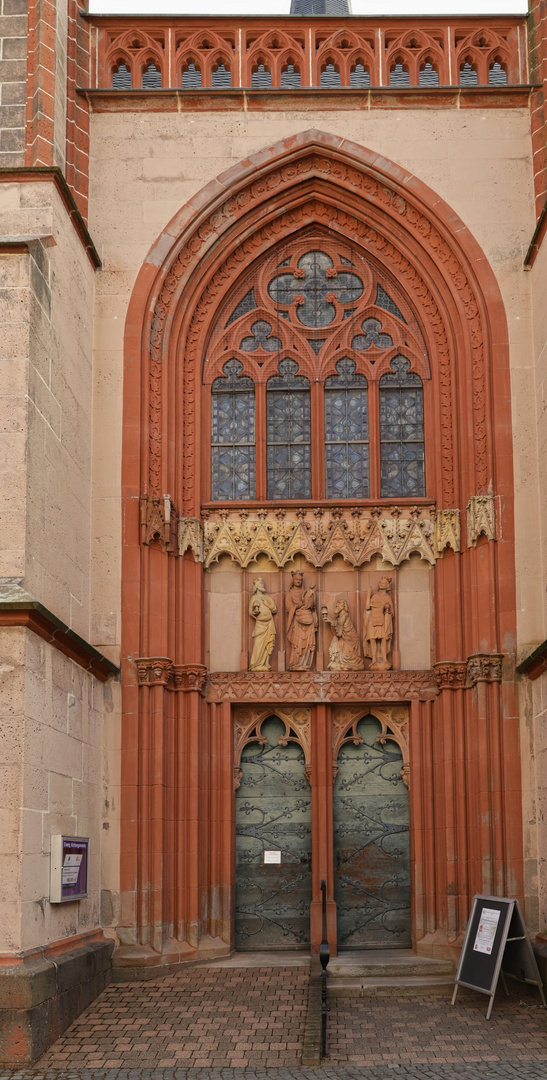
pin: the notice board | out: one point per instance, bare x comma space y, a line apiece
496, 944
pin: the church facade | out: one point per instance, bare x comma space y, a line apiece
272, 586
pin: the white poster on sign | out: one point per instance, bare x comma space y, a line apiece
487, 930
272, 856
71, 869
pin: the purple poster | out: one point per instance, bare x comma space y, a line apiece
75, 851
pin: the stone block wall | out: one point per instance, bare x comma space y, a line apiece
45, 308
13, 73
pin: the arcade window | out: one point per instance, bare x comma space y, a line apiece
316, 370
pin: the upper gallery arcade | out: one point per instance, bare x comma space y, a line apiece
270, 582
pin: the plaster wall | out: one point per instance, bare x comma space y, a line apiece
478, 161
50, 732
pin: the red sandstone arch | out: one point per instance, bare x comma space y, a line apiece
393, 217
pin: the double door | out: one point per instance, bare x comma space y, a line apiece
274, 843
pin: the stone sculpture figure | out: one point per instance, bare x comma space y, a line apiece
378, 626
302, 623
262, 609
345, 649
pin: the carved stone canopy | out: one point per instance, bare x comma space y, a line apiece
319, 535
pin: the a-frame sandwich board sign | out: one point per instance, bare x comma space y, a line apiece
496, 943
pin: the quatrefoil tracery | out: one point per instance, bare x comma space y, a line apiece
313, 305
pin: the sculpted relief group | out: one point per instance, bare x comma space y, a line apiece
349, 649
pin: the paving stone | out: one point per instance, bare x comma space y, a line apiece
217, 1024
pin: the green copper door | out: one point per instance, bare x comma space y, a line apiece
273, 845
371, 844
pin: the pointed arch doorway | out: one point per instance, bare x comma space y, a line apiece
371, 837
273, 840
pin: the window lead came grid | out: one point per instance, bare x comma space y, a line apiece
402, 451
288, 423
233, 453
346, 433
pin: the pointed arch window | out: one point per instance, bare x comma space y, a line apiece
346, 433
233, 454
315, 369
288, 428
402, 450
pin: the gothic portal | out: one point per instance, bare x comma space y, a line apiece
309, 329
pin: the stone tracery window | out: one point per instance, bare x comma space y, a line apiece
321, 396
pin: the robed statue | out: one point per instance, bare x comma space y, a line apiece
378, 626
302, 621
345, 649
262, 609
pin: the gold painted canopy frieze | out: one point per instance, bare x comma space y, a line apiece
319, 535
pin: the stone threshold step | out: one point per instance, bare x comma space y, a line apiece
392, 987
370, 967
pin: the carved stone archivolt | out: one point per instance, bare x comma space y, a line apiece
161, 671
395, 533
394, 725
247, 728
481, 518
320, 686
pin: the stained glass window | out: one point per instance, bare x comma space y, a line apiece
233, 435
346, 433
401, 432
288, 422
313, 284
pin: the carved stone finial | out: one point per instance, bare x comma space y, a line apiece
262, 609
191, 537
481, 518
378, 626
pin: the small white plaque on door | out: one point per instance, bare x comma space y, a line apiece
272, 856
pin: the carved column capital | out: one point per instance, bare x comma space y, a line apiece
484, 667
447, 531
450, 674
190, 535
154, 670
190, 677
481, 518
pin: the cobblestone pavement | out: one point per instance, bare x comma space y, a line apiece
210, 1017
403, 1031
215, 1023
